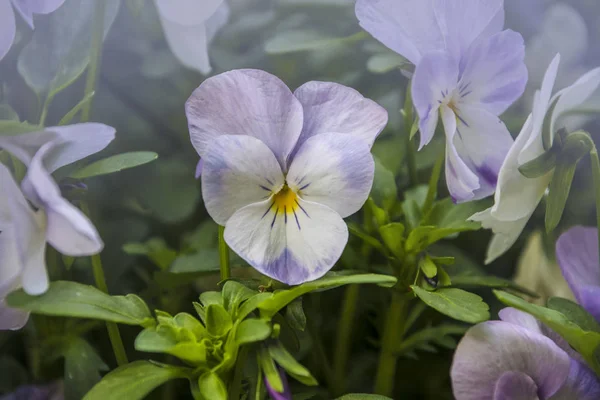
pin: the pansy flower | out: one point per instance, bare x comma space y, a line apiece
516, 196
25, 230
190, 26
467, 72
282, 169
26, 8
519, 358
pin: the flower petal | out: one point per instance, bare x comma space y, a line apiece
582, 384
335, 170
506, 233
435, 77
237, 171
490, 349
577, 255
520, 318
187, 12
245, 102
494, 73
463, 21
7, 27
68, 229
334, 108
10, 262
27, 7
72, 143
515, 386
217, 21
408, 27
294, 246
11, 318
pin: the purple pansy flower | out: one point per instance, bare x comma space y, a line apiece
468, 71
282, 169
26, 8
518, 358
516, 196
577, 255
25, 230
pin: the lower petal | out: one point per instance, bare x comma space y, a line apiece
335, 170
7, 27
293, 246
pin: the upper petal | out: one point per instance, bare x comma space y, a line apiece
577, 255
237, 171
463, 21
245, 102
335, 170
187, 12
7, 27
294, 245
27, 7
520, 318
71, 143
409, 27
68, 229
490, 349
494, 73
334, 108
188, 43
435, 78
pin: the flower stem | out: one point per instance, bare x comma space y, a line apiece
95, 56
111, 327
596, 177
342, 343
392, 332
224, 256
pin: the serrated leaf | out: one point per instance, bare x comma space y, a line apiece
115, 163
71, 299
455, 303
135, 380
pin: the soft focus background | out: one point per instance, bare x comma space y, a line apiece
158, 235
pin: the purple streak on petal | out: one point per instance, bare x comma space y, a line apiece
577, 255
514, 385
7, 27
275, 395
488, 174
199, 169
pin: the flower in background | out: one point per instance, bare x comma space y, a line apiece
53, 391
274, 394
577, 256
516, 196
282, 169
468, 71
190, 26
26, 8
519, 358
25, 230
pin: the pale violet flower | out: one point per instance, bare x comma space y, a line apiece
467, 72
26, 230
282, 169
190, 26
516, 196
26, 8
519, 358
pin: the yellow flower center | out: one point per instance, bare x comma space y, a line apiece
285, 201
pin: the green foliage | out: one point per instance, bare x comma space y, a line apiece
362, 396
425, 339
575, 312
212, 387
584, 341
383, 63
384, 191
156, 249
292, 367
114, 164
489, 281
455, 303
71, 299
306, 40
14, 127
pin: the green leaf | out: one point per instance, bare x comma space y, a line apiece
212, 387
305, 40
455, 303
204, 261
286, 361
541, 165
384, 191
447, 215
547, 128
78, 107
163, 339
156, 249
393, 237
574, 312
488, 281
294, 314
363, 396
413, 201
428, 267
59, 49
115, 163
135, 380
383, 63
252, 304
270, 370
11, 127
280, 299
558, 192
439, 335
234, 294
218, 320
252, 330
8, 113
583, 341
71, 299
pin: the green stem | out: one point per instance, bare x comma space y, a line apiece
258, 392
391, 338
224, 256
45, 108
596, 177
342, 343
95, 55
235, 389
112, 328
